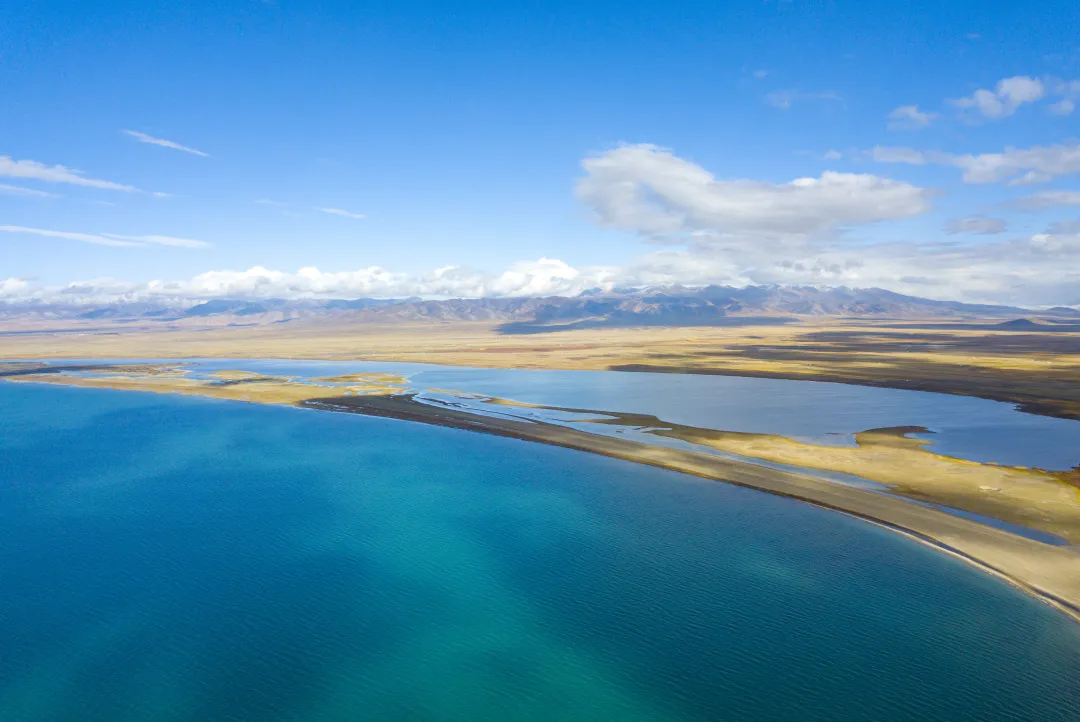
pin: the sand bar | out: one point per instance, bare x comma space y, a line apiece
1049, 572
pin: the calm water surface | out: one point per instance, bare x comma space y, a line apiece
170, 558
965, 427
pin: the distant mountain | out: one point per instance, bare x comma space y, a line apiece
667, 306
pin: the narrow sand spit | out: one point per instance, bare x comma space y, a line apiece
1050, 573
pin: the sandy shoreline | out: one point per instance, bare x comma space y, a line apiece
1050, 573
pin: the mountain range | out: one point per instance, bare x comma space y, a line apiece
669, 306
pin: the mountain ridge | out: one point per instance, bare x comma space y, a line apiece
664, 306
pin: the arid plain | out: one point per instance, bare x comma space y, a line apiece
1035, 365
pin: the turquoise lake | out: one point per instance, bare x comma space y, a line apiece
172, 558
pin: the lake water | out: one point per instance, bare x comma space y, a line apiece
172, 558
962, 426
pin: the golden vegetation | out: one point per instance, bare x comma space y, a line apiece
1039, 370
231, 385
1029, 497
1049, 501
1035, 498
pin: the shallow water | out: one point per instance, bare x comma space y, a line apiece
965, 427
174, 558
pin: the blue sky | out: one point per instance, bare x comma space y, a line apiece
464, 134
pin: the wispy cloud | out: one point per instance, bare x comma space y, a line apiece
1014, 166
34, 170
108, 239
1001, 102
84, 237
339, 212
144, 138
1049, 199
784, 99
10, 190
1063, 107
909, 117
160, 240
980, 225
269, 202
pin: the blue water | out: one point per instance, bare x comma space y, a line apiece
171, 558
964, 427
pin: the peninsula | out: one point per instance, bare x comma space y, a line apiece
1049, 572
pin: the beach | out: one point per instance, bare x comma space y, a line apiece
1049, 572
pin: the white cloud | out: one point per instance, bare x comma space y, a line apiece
1018, 166
760, 74
887, 154
107, 239
85, 237
10, 190
1043, 268
832, 154
1063, 107
647, 189
1051, 161
784, 99
542, 277
1040, 269
1049, 199
144, 138
1031, 178
31, 169
1008, 95
1065, 227
160, 240
736, 232
14, 288
339, 212
909, 117
980, 225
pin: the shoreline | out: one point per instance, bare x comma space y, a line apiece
1049, 573
1045, 403
1028, 405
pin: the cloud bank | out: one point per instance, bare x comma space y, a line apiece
702, 228
1015, 166
648, 189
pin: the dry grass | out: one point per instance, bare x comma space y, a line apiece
1040, 371
233, 385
